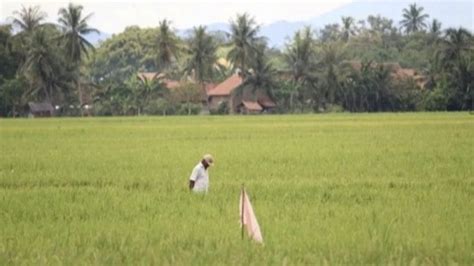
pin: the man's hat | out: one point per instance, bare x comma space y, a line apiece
208, 158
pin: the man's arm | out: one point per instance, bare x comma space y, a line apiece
193, 178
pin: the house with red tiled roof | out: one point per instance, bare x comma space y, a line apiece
213, 95
221, 93
246, 102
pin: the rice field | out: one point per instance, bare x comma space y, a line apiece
327, 189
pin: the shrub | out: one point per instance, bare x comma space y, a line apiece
189, 109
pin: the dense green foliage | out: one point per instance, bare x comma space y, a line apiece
314, 72
49, 57
327, 189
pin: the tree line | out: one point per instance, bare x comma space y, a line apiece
347, 66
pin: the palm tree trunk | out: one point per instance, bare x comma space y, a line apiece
203, 91
79, 90
47, 95
50, 94
291, 100
354, 101
189, 106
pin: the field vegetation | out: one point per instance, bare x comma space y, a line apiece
327, 189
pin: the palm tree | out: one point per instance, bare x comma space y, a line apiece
28, 19
414, 19
167, 45
300, 57
74, 27
202, 50
330, 33
348, 29
300, 54
367, 89
453, 45
260, 75
243, 37
435, 27
48, 78
434, 32
145, 90
330, 63
454, 55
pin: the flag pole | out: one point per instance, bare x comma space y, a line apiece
242, 211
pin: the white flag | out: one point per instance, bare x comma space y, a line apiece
248, 219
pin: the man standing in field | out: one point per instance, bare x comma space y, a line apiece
199, 179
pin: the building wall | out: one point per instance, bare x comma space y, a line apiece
216, 100
234, 100
240, 109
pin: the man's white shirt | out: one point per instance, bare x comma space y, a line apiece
200, 177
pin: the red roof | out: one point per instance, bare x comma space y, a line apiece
267, 103
227, 86
210, 86
252, 106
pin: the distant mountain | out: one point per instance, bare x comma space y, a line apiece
450, 14
214, 27
278, 33
95, 38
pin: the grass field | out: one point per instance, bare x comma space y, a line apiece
327, 189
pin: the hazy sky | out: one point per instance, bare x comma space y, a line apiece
114, 16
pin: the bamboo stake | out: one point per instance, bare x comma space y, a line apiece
242, 211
